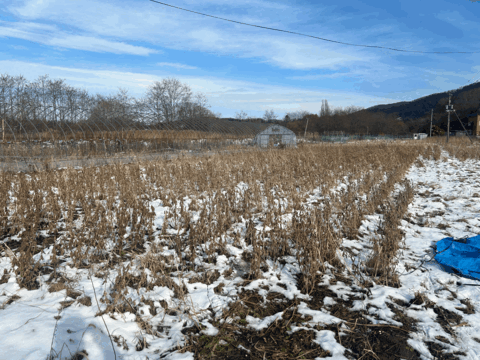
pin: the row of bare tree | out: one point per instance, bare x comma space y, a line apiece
325, 110
350, 121
47, 102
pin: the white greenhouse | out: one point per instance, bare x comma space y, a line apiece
276, 135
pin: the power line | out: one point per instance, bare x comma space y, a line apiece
316, 37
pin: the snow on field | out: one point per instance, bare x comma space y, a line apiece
36, 324
446, 204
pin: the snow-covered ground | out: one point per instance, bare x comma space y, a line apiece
446, 204
36, 324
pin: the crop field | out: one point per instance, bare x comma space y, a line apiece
324, 251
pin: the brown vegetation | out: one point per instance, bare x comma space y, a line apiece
101, 218
356, 122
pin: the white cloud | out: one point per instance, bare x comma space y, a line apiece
177, 65
323, 76
30, 9
161, 26
378, 73
225, 95
456, 19
19, 47
440, 80
28, 26
99, 45
300, 54
52, 36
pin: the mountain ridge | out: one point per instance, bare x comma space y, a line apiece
467, 98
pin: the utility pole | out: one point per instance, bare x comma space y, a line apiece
431, 120
449, 110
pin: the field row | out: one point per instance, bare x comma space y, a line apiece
179, 254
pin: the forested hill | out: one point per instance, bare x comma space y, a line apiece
465, 101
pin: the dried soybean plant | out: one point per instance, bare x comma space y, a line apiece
105, 218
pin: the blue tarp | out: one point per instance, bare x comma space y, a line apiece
461, 257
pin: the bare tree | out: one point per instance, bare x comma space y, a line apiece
325, 109
354, 109
7, 85
152, 105
125, 107
296, 115
85, 105
20, 99
241, 115
55, 92
269, 115
48, 105
165, 99
4, 86
105, 112
196, 107
41, 88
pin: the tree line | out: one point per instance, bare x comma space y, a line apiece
348, 120
47, 102
51, 103
395, 119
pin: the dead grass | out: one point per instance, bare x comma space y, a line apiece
460, 147
102, 218
85, 300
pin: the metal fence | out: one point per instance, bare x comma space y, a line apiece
30, 143
343, 138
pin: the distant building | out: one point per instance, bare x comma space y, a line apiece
419, 136
276, 135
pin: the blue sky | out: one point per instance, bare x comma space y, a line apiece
103, 45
